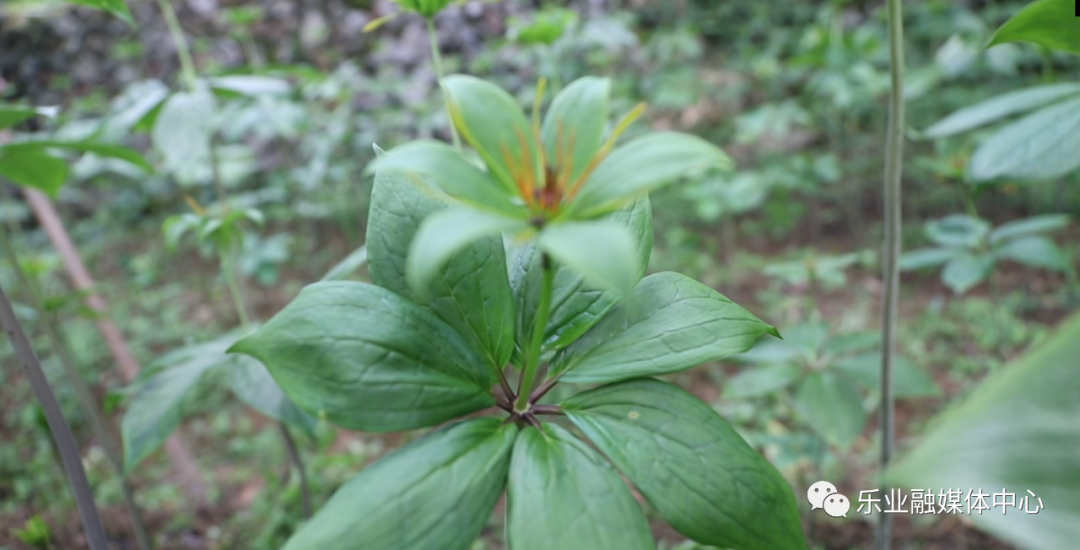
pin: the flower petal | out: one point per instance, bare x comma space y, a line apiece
445, 168
494, 124
574, 126
643, 165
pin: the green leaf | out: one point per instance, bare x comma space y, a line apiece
133, 108
100, 149
562, 494
157, 408
443, 235
1039, 146
251, 85
441, 166
1030, 226
252, 383
690, 464
574, 124
642, 165
493, 124
1035, 251
669, 323
831, 406
575, 306
471, 293
763, 380
115, 7
852, 341
958, 231
347, 267
1050, 23
436, 493
908, 379
999, 107
965, 271
34, 168
368, 359
926, 257
603, 251
183, 128
11, 115
1017, 432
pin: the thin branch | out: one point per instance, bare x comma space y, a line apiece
294, 457
543, 390
548, 409
893, 212
65, 441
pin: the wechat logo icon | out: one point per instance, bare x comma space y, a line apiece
823, 495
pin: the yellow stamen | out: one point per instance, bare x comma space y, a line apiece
376, 23
540, 86
627, 119
194, 205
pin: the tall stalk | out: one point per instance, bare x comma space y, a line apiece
436, 60
532, 358
61, 432
82, 391
893, 170
187, 66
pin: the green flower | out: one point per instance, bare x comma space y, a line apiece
553, 181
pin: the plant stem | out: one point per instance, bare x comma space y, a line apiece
232, 278
532, 360
893, 212
294, 457
187, 66
436, 60
82, 392
65, 441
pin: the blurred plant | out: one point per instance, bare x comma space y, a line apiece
826, 371
970, 248
447, 295
36, 533
813, 269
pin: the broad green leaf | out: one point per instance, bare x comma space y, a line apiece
831, 406
442, 235
926, 257
494, 124
251, 85
957, 231
690, 464
1030, 226
1017, 432
643, 165
562, 494
11, 115
1041, 145
602, 251
348, 266
368, 359
443, 167
1035, 251
100, 149
574, 125
763, 380
669, 323
34, 168
1051, 23
133, 108
183, 128
575, 306
436, 493
966, 271
908, 379
252, 383
852, 341
471, 293
115, 7
999, 107
157, 408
